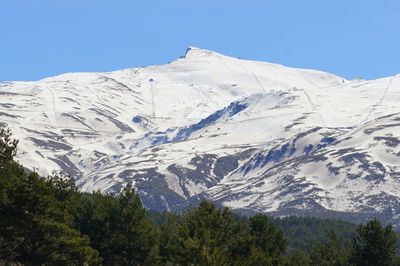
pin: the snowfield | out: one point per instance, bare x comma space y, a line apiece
248, 135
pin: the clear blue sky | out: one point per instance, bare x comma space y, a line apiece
351, 38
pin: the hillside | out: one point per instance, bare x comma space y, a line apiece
248, 135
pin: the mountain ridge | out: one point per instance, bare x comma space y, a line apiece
246, 134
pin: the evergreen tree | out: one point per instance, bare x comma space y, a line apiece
298, 258
333, 253
134, 234
268, 239
39, 227
35, 227
119, 228
374, 245
173, 237
8, 146
243, 249
9, 169
210, 236
209, 232
302, 232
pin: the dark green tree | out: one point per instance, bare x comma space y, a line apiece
35, 227
268, 238
298, 258
374, 245
8, 146
38, 226
243, 249
333, 253
119, 228
9, 169
173, 237
301, 232
209, 235
134, 234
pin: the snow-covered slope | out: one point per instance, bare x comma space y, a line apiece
249, 135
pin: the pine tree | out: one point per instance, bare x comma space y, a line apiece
268, 239
298, 258
374, 245
119, 228
135, 235
9, 169
173, 236
333, 253
209, 234
39, 226
35, 227
8, 146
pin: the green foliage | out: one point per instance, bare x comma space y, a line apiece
374, 245
173, 240
301, 232
210, 236
35, 225
208, 230
298, 258
200, 237
333, 253
133, 231
267, 238
38, 228
8, 146
8, 168
119, 228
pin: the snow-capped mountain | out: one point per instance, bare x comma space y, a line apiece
249, 135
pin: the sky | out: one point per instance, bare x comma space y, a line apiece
350, 38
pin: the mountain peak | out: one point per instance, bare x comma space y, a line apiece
193, 52
250, 135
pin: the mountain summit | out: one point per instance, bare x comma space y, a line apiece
198, 52
253, 136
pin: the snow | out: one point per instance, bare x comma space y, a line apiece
205, 103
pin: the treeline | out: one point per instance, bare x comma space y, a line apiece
303, 232
300, 232
47, 221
